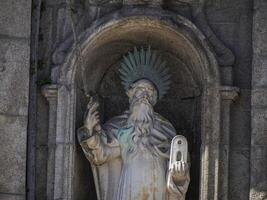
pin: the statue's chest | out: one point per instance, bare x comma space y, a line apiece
143, 171
133, 144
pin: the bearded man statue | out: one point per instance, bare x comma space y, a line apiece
130, 153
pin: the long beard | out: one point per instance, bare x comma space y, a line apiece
141, 117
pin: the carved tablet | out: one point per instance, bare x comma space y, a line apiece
179, 150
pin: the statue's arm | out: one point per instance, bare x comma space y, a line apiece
92, 138
96, 147
178, 176
178, 180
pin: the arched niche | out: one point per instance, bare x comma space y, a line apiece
181, 105
195, 75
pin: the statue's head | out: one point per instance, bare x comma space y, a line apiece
146, 79
142, 91
144, 73
142, 96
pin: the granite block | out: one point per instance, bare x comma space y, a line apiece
259, 97
259, 173
14, 76
259, 126
259, 70
15, 18
13, 139
10, 196
239, 174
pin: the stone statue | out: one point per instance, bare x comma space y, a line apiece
130, 153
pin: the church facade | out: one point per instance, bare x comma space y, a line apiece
56, 54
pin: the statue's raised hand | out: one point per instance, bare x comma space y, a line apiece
179, 171
92, 120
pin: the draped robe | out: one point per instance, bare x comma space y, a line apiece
128, 166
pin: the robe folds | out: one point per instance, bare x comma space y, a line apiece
128, 166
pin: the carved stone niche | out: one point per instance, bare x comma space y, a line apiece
197, 104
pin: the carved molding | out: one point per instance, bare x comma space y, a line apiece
229, 92
228, 95
60, 143
224, 55
50, 92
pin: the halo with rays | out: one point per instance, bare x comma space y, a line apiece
145, 64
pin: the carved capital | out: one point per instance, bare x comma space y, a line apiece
229, 92
50, 92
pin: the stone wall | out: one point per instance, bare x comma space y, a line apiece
258, 153
241, 25
15, 29
231, 21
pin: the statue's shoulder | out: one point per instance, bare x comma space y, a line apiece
162, 123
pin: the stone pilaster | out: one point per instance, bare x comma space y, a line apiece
60, 164
51, 93
228, 96
258, 155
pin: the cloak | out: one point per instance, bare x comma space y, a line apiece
104, 152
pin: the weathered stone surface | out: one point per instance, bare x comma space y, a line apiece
258, 170
55, 2
14, 60
15, 17
225, 32
260, 28
13, 154
15, 29
260, 4
42, 125
259, 70
41, 147
259, 126
230, 22
240, 128
211, 122
260, 17
241, 121
243, 102
239, 174
224, 172
41, 163
46, 40
258, 157
259, 97
63, 24
226, 74
259, 37
222, 16
11, 196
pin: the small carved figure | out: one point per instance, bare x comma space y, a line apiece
129, 154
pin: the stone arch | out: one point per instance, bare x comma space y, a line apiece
105, 42
126, 23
